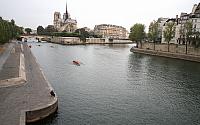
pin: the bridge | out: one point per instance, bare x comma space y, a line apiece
36, 37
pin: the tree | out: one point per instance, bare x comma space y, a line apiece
40, 30
169, 32
188, 33
82, 34
50, 29
137, 33
20, 30
28, 30
8, 30
153, 32
92, 34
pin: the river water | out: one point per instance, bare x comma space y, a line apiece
113, 86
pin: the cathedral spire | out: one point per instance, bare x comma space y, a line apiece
66, 7
67, 15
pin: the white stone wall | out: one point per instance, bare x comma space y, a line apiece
66, 40
122, 41
95, 40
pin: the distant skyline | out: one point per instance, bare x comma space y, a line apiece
88, 13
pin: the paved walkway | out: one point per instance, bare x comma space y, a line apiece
35, 93
10, 68
5, 54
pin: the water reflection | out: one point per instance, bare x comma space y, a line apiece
172, 85
115, 86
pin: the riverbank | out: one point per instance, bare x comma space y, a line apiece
78, 41
167, 54
29, 97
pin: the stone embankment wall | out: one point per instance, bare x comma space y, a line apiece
77, 41
42, 112
66, 40
175, 51
173, 48
95, 40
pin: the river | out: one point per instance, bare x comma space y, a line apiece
113, 86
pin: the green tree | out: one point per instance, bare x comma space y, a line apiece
28, 30
40, 30
137, 33
188, 33
1, 30
153, 32
169, 32
82, 34
92, 34
8, 30
50, 29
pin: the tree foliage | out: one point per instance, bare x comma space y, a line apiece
40, 30
9, 30
188, 28
65, 34
92, 34
82, 34
50, 29
169, 32
137, 33
28, 30
153, 31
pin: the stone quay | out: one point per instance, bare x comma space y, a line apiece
26, 95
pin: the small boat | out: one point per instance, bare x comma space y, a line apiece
76, 63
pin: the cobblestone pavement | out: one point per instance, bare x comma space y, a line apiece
35, 93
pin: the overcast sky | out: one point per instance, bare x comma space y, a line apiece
31, 13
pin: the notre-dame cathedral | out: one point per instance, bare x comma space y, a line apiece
65, 24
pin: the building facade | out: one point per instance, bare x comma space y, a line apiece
195, 17
111, 31
179, 24
66, 23
176, 27
161, 21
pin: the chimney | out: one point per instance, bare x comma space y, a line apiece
177, 19
194, 8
